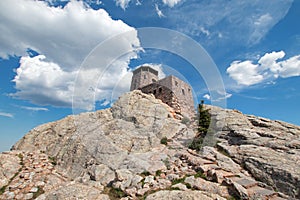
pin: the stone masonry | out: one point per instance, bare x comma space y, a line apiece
171, 90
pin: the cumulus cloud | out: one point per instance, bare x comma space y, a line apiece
267, 68
63, 36
44, 83
171, 3
5, 114
244, 73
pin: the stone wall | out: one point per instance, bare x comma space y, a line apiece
143, 76
165, 94
183, 92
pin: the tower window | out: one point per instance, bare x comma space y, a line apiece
145, 76
183, 91
176, 83
154, 92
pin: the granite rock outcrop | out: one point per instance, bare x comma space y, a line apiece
137, 150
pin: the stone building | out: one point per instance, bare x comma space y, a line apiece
171, 90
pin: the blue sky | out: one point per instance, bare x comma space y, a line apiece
54, 60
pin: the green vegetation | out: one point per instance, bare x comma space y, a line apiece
164, 140
21, 160
231, 198
188, 186
196, 143
158, 173
176, 181
2, 190
199, 174
53, 160
204, 119
114, 193
146, 173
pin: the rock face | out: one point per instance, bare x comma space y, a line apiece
269, 150
118, 153
127, 136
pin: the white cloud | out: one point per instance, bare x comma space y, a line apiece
217, 96
204, 31
122, 3
244, 73
243, 28
261, 26
159, 12
44, 83
267, 68
5, 114
225, 94
157, 67
268, 61
206, 96
171, 3
290, 67
33, 108
63, 37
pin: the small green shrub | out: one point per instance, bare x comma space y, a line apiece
146, 173
188, 186
200, 175
196, 143
53, 160
158, 173
2, 190
176, 181
204, 119
164, 140
116, 193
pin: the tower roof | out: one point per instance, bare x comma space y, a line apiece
145, 68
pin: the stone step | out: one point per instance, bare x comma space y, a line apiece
221, 174
246, 183
207, 167
257, 191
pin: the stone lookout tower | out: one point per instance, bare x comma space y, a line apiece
171, 90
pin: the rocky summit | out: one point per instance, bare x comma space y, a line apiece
137, 150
